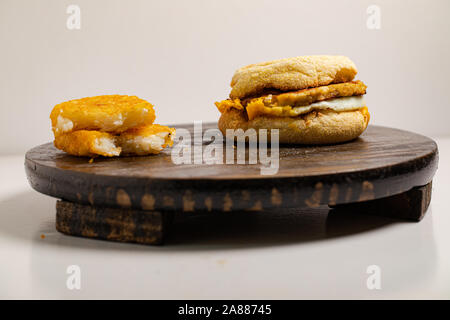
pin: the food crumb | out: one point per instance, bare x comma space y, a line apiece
42, 236
91, 160
221, 262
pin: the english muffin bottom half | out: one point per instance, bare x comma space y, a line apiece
310, 100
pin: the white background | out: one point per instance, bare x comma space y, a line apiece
270, 255
180, 55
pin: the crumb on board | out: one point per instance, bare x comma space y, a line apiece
42, 236
91, 160
221, 262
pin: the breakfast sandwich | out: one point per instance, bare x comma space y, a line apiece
310, 100
109, 126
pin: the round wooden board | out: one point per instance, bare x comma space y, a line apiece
381, 163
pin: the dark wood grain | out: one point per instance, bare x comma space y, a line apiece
409, 205
133, 199
381, 163
114, 224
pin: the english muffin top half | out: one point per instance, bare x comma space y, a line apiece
291, 74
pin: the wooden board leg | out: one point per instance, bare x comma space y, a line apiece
410, 205
125, 225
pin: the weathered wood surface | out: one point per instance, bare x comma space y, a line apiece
152, 227
409, 205
383, 162
114, 224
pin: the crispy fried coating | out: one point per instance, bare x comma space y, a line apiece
291, 74
87, 143
305, 97
145, 140
283, 104
109, 113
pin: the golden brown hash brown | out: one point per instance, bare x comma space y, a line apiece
146, 140
137, 141
87, 143
108, 113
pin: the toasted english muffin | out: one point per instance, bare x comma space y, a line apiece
316, 127
291, 74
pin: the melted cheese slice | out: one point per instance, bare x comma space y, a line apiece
257, 107
337, 104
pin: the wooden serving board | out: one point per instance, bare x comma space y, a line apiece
133, 198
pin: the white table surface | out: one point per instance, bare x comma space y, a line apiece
279, 256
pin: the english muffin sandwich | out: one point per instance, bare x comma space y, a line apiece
310, 100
